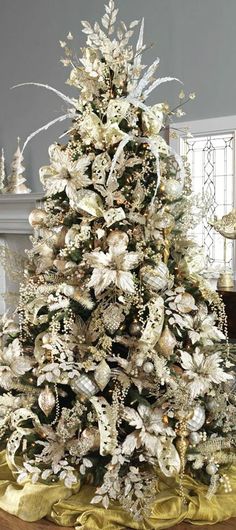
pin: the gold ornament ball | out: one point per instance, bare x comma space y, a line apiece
37, 218
165, 419
135, 328
92, 437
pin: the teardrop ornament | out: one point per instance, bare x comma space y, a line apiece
46, 400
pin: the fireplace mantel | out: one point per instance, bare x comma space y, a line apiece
15, 210
14, 232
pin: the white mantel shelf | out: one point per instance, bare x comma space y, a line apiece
15, 210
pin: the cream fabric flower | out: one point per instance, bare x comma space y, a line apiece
203, 371
93, 130
152, 434
113, 268
64, 174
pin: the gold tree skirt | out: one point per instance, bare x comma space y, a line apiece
32, 502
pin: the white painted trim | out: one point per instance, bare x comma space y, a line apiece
207, 125
15, 210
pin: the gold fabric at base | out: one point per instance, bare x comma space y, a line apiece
31, 502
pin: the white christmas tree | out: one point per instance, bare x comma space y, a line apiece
16, 180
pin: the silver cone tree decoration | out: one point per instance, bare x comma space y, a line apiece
16, 180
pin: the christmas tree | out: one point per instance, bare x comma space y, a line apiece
119, 373
16, 180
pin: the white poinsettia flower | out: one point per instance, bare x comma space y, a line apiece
154, 435
13, 364
94, 131
152, 421
149, 427
64, 174
8, 326
203, 371
12, 356
113, 268
205, 330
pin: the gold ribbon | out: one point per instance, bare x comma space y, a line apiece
65, 507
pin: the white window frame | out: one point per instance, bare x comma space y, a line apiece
204, 127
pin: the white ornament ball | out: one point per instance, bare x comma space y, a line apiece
211, 469
148, 367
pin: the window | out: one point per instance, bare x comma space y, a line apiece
211, 155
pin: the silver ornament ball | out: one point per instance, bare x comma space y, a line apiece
211, 469
148, 367
194, 438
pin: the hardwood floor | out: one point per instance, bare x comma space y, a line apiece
9, 522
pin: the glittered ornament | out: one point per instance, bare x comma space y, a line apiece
46, 400
113, 317
117, 237
172, 189
85, 385
198, 419
37, 218
167, 342
164, 220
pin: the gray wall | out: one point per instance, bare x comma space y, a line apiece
195, 40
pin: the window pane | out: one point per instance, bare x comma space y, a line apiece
211, 159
